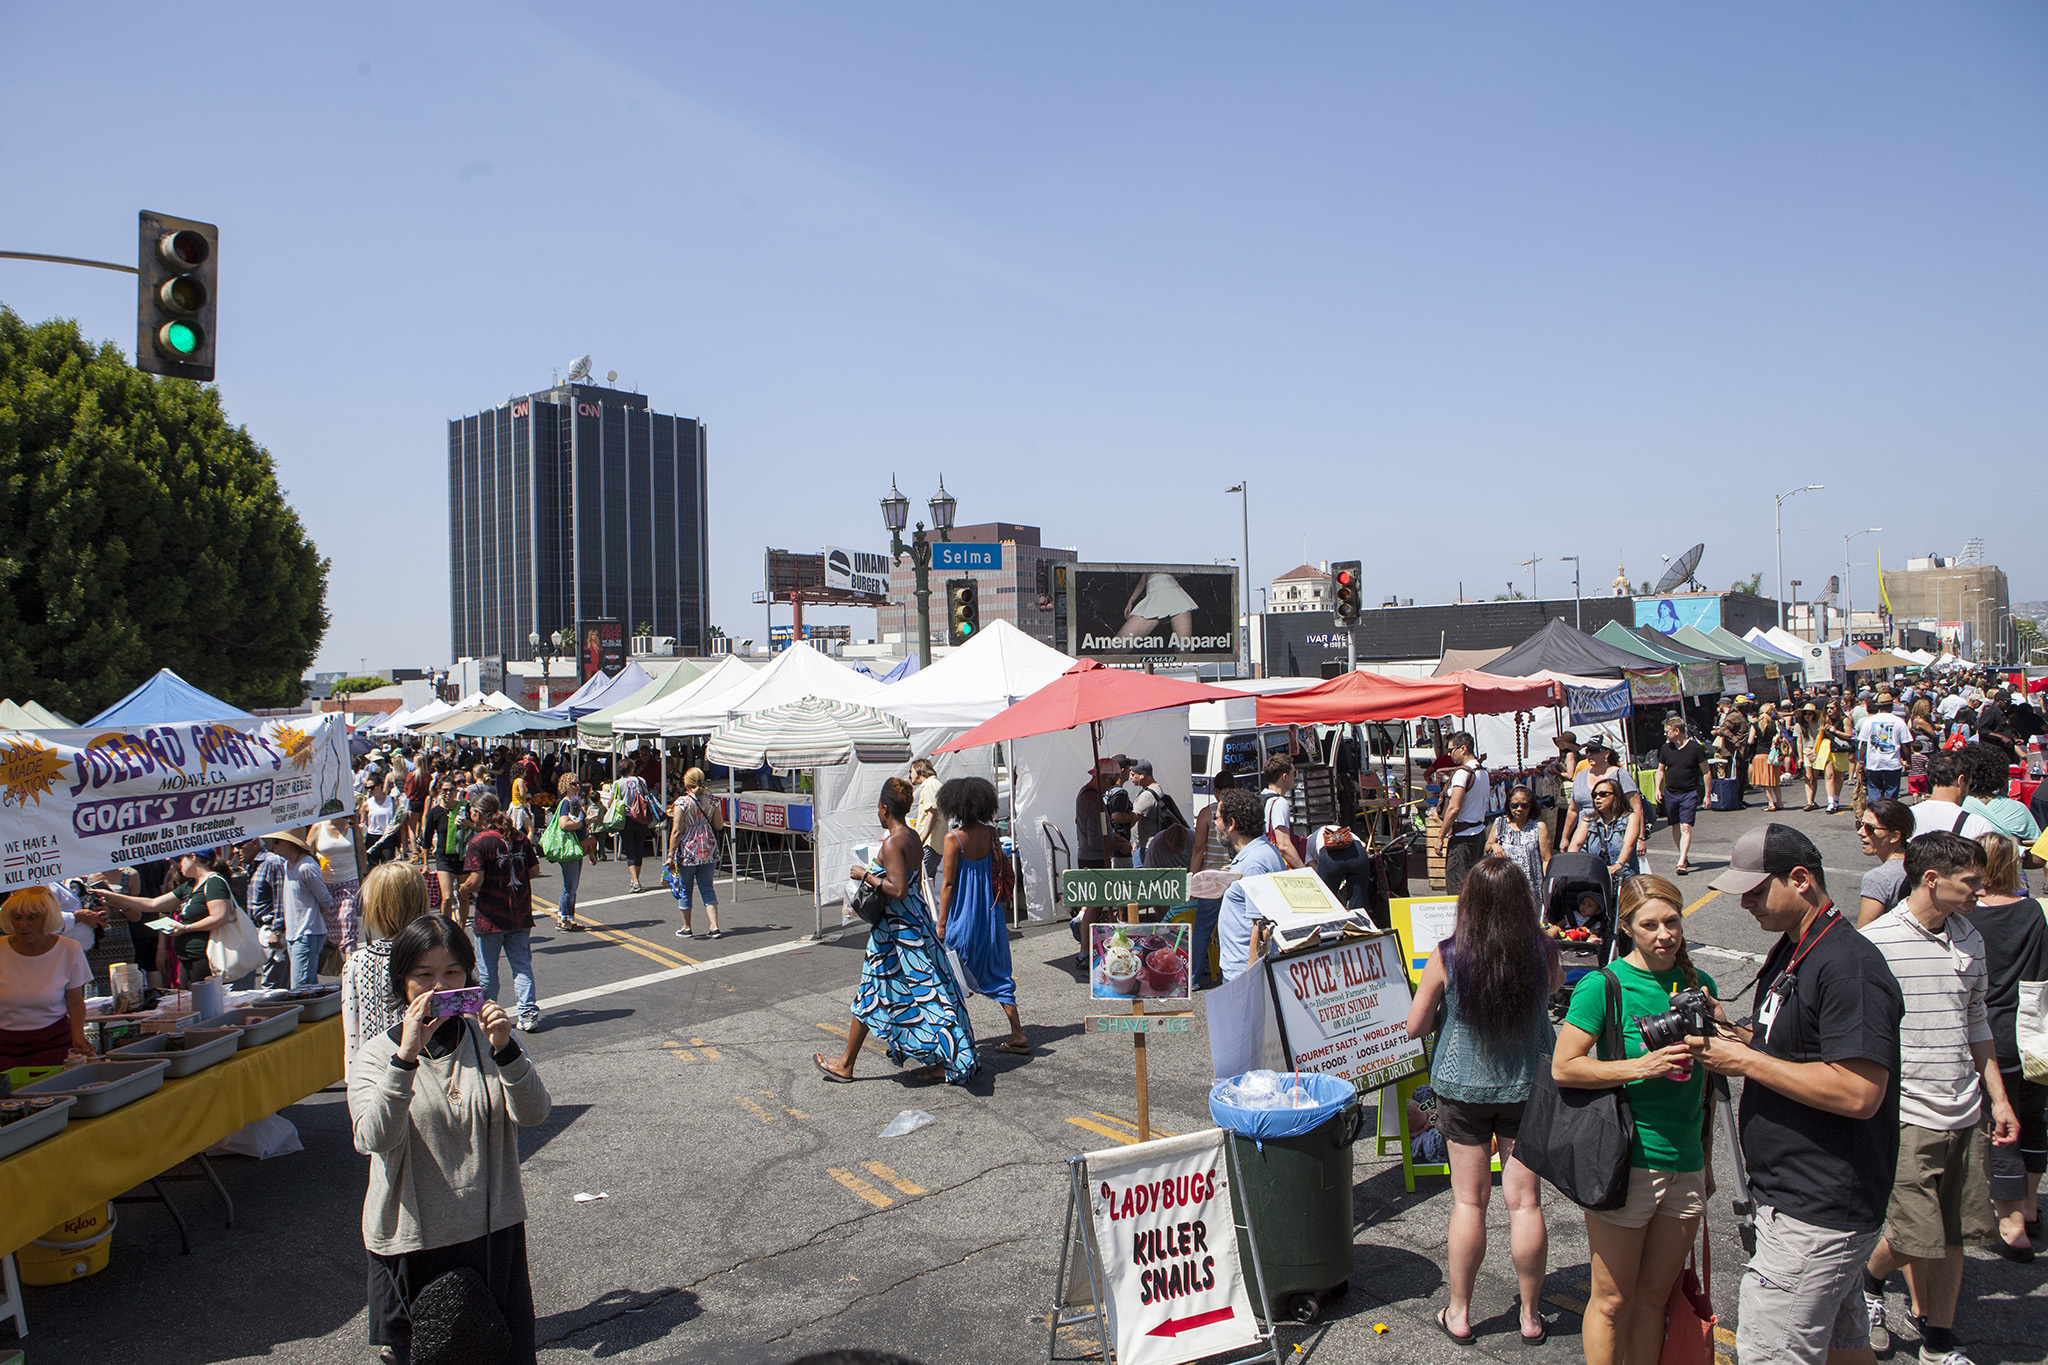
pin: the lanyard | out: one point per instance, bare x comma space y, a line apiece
1803, 947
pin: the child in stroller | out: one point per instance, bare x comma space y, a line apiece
1579, 912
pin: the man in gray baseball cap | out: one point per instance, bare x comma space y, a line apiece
1820, 1105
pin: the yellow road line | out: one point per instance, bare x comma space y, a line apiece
632, 943
861, 1188
1724, 1336
794, 1113
839, 1029
756, 1110
710, 1052
1701, 901
889, 1177
1570, 1305
1130, 1124
1127, 1139
680, 1053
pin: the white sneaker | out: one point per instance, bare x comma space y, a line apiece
528, 1023
1931, 1357
1880, 1334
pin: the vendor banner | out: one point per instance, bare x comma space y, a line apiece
1590, 705
1734, 679
1650, 689
1344, 1011
73, 802
1166, 1241
1699, 679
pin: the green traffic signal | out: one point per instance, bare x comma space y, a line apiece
179, 338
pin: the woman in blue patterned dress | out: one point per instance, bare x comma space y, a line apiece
971, 919
907, 994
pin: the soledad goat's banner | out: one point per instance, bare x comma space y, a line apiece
73, 802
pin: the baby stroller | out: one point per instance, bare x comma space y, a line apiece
1578, 895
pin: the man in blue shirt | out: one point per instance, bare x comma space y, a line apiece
1244, 824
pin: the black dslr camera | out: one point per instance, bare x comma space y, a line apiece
1690, 1013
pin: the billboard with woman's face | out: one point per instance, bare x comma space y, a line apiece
603, 648
1124, 613
1666, 614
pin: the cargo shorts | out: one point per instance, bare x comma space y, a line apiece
1802, 1292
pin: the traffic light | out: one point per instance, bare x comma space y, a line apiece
963, 610
178, 263
1344, 591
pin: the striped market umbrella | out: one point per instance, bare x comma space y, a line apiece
812, 733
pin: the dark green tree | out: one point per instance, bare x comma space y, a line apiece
138, 531
356, 685
1753, 585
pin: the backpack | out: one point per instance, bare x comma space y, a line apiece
640, 810
700, 841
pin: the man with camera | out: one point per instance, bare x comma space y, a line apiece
1820, 1106
1949, 1071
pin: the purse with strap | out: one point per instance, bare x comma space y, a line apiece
557, 845
1577, 1139
1689, 1319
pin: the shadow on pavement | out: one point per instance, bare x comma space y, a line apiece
620, 1320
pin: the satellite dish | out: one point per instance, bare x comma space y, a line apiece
611, 376
580, 369
1681, 569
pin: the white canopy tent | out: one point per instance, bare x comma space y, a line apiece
727, 676
996, 669
429, 713
800, 671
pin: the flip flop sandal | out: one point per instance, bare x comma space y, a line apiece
827, 1072
1445, 1327
1015, 1049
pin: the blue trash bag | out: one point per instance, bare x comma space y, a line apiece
1330, 1093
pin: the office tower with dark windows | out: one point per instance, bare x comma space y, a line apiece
574, 505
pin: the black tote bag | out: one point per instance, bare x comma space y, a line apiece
1579, 1140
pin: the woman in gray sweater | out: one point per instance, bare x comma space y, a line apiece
436, 1105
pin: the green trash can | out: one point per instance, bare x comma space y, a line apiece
1299, 1192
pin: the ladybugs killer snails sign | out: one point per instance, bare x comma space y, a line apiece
1166, 1243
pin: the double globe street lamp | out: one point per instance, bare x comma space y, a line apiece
895, 515
561, 640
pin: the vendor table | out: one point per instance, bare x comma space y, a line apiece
93, 1160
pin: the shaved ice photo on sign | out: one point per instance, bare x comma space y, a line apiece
1138, 961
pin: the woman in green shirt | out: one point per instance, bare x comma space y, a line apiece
200, 903
1640, 1248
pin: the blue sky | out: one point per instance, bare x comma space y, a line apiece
1449, 284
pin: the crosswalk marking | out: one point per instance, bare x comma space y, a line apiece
889, 1177
861, 1188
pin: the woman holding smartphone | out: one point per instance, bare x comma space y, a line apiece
436, 1102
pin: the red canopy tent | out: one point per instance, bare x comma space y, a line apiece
1360, 696
1082, 695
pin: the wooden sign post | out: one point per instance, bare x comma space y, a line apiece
1133, 888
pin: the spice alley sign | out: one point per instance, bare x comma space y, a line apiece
1344, 1011
1166, 1242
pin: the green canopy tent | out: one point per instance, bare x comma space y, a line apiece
598, 724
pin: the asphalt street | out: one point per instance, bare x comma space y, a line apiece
752, 1213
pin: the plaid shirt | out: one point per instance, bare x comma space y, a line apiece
266, 892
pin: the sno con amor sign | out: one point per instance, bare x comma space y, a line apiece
79, 801
1166, 1243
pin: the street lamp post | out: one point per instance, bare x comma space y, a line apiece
895, 514
1778, 529
1578, 618
1848, 597
1244, 507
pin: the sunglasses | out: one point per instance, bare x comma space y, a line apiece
1867, 828
1520, 805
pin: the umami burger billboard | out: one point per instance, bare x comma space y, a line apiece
1122, 613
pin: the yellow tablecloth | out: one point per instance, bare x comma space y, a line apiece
93, 1160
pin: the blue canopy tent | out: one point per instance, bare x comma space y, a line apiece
600, 692
911, 663
166, 699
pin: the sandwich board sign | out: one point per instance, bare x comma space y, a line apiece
1152, 1251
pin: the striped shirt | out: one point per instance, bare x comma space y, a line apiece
1944, 980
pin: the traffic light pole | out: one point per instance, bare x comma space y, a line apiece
68, 260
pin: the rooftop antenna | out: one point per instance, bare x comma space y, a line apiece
1681, 570
579, 368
